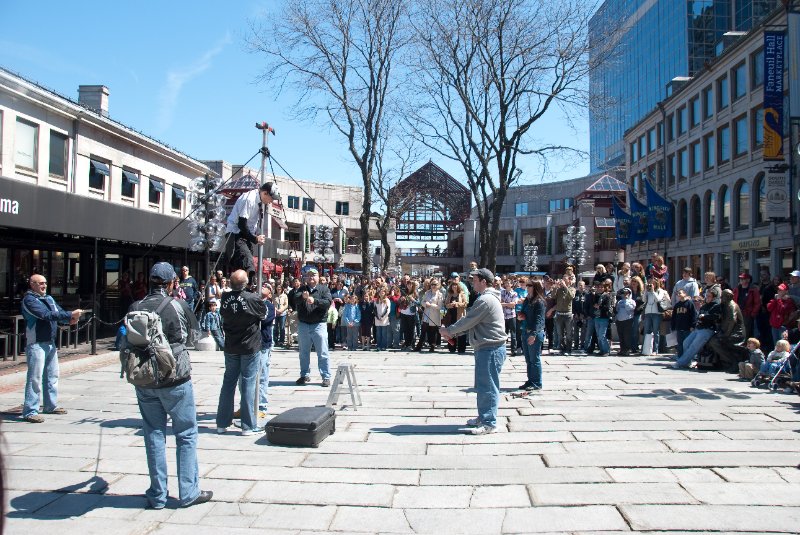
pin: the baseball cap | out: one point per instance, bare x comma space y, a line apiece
311, 270
483, 273
163, 271
795, 273
626, 290
453, 275
782, 287
746, 276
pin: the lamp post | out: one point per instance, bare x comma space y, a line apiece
574, 242
531, 251
207, 221
323, 244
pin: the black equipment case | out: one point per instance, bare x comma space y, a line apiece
302, 426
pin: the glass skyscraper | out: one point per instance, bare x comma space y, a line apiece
644, 45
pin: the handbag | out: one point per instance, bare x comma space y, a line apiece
664, 305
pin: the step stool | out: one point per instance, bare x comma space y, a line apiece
345, 369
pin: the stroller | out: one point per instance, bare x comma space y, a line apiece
781, 378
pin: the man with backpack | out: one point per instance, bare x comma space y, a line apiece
172, 395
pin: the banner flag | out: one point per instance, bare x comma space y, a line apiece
773, 95
639, 216
624, 224
660, 220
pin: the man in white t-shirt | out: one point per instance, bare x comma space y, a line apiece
244, 226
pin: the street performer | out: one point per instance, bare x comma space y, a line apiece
244, 226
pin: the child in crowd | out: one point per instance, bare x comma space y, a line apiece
775, 360
624, 317
351, 319
331, 319
212, 324
367, 309
749, 369
684, 318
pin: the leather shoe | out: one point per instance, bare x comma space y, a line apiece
203, 497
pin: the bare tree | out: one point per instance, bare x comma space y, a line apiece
340, 55
490, 69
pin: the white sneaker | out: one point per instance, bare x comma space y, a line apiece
249, 432
221, 430
484, 430
474, 422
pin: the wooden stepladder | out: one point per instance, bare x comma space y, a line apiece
345, 370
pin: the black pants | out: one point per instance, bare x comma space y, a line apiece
625, 332
460, 345
239, 253
407, 327
548, 329
511, 327
428, 334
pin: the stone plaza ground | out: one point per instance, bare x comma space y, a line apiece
611, 445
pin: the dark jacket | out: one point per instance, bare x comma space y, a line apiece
606, 310
241, 313
42, 315
708, 315
684, 316
578, 302
589, 311
180, 327
534, 315
267, 326
367, 312
316, 311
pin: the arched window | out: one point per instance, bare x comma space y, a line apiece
725, 209
683, 219
711, 213
742, 204
697, 222
761, 201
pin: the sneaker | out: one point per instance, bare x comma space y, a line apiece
474, 422
57, 410
532, 387
34, 419
203, 497
524, 386
484, 430
248, 432
303, 380
222, 430
326, 383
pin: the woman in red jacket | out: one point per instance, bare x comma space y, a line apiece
780, 308
749, 300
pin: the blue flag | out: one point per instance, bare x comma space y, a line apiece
624, 224
660, 211
639, 218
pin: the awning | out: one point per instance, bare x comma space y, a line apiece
605, 222
130, 176
157, 185
179, 193
281, 223
99, 167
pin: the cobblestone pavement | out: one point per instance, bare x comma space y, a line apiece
610, 445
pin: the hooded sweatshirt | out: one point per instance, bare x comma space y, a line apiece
484, 321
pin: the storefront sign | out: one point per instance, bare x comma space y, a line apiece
773, 95
9, 206
751, 244
777, 193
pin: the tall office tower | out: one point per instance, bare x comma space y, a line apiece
652, 42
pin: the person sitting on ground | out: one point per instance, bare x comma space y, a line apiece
749, 369
725, 344
775, 361
707, 320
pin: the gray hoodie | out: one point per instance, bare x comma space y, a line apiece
484, 321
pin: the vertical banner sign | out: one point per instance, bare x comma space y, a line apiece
660, 220
639, 215
624, 223
777, 193
773, 95
794, 64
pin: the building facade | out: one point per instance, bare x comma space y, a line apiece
702, 149
646, 44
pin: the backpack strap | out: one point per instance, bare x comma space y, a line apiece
163, 305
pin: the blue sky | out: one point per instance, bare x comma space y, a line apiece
180, 72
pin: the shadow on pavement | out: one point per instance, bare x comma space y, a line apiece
683, 394
407, 429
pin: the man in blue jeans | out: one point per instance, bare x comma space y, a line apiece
174, 399
242, 312
487, 336
42, 315
312, 301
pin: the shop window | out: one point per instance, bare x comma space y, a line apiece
58, 155
697, 222
761, 202
725, 209
742, 205
26, 145
342, 208
711, 212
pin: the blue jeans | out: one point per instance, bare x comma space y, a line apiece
42, 363
352, 337
219, 337
601, 327
317, 333
682, 336
692, 345
279, 333
382, 336
263, 379
533, 359
154, 405
652, 324
395, 338
488, 364
235, 365
590, 329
